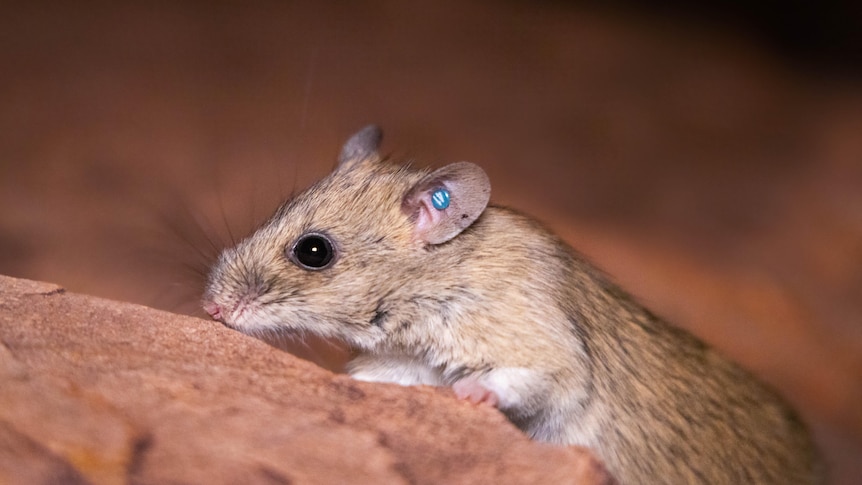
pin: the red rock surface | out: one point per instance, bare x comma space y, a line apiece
107, 392
717, 182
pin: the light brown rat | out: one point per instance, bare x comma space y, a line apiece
454, 292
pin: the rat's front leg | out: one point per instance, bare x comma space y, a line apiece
393, 368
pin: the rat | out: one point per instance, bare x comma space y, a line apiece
431, 285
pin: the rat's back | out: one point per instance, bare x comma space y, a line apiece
666, 408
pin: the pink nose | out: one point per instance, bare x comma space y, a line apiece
214, 309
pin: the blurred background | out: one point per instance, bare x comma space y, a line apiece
707, 155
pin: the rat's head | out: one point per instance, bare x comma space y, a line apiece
326, 257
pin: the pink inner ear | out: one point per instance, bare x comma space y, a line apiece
428, 217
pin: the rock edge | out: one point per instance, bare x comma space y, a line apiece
97, 391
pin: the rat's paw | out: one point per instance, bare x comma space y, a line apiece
471, 390
504, 388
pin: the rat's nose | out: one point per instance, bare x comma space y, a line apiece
214, 309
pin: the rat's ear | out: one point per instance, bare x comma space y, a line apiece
447, 201
361, 146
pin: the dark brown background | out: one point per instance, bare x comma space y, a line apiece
714, 167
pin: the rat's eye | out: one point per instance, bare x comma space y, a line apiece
312, 251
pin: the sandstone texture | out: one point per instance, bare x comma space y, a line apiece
97, 391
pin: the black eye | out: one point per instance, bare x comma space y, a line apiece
312, 251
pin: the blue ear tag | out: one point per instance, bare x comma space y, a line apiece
440, 199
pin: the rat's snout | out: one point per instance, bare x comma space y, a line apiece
230, 312
214, 309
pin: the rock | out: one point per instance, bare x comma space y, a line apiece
97, 391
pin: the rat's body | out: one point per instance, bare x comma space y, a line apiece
487, 301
